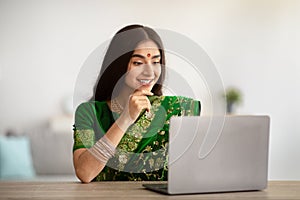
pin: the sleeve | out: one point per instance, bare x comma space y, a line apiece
189, 106
183, 106
84, 135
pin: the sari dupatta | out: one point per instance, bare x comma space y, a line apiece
142, 153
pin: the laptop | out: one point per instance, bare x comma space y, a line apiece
216, 154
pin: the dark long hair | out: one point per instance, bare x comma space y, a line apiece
117, 57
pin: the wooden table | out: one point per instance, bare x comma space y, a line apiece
284, 190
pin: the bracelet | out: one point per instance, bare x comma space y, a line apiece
103, 150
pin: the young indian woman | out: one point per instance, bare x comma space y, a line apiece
122, 132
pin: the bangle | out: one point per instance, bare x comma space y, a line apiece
103, 150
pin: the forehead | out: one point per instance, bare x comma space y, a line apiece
147, 46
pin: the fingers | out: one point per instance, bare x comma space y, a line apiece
139, 98
142, 93
140, 102
137, 103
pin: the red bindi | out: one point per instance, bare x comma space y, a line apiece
148, 55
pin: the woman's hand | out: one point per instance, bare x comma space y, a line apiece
137, 102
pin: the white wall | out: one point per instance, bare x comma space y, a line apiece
254, 44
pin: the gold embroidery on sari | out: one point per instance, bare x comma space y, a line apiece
144, 147
84, 138
134, 135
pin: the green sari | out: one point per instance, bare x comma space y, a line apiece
142, 153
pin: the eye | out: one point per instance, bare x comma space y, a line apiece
137, 63
156, 63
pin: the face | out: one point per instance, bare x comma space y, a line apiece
144, 67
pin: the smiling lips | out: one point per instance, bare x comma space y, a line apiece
145, 81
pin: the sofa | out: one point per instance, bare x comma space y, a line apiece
43, 153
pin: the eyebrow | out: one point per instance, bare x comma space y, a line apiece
141, 56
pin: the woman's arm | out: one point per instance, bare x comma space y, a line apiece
86, 165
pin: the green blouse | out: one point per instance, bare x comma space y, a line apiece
142, 153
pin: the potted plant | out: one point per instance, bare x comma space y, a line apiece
233, 96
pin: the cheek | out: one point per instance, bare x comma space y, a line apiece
157, 71
128, 77
131, 75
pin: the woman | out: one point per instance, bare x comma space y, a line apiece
122, 132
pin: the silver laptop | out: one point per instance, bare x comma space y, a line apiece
219, 154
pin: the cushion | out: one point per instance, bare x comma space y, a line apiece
51, 151
15, 158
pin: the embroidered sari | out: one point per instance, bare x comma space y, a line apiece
142, 153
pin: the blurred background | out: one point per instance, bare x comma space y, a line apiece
254, 44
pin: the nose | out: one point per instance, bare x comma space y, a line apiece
148, 70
